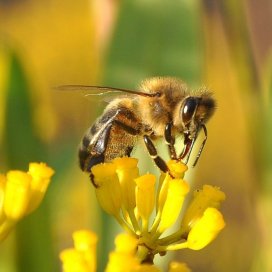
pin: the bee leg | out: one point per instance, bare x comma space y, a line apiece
99, 147
154, 155
202, 145
102, 143
129, 150
189, 144
170, 141
187, 147
92, 180
99, 157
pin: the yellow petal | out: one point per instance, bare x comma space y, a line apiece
126, 243
177, 190
127, 171
177, 169
178, 267
17, 194
209, 196
121, 262
41, 175
73, 261
146, 268
108, 192
205, 229
2, 194
40, 171
85, 241
145, 195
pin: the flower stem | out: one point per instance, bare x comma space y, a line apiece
134, 222
144, 255
123, 224
172, 247
173, 238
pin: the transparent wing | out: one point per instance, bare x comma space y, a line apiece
102, 90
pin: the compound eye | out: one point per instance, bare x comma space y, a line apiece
188, 109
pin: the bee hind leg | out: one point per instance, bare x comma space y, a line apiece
101, 145
97, 155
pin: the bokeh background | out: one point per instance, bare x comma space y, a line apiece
224, 45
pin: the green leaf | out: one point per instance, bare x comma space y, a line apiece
21, 146
154, 38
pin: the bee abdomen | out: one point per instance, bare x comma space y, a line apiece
113, 135
83, 152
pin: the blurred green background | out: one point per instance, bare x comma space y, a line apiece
225, 45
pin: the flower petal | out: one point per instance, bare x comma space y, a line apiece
205, 229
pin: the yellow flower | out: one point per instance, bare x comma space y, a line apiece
2, 194
124, 258
209, 196
126, 243
41, 175
170, 208
121, 262
147, 211
127, 171
17, 194
145, 197
21, 193
73, 261
205, 229
146, 268
178, 267
108, 191
82, 257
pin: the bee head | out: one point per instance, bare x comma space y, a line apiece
196, 110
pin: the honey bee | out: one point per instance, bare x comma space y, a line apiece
162, 107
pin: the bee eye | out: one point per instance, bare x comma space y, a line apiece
188, 109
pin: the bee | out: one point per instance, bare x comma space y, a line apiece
162, 107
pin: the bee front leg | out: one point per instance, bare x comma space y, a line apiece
154, 154
202, 145
170, 141
189, 144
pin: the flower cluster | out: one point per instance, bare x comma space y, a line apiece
146, 210
82, 257
21, 193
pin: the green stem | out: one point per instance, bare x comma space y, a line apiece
144, 255
5, 228
172, 238
124, 225
134, 222
172, 247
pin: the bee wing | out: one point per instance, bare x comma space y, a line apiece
102, 90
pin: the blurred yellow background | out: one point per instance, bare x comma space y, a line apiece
225, 45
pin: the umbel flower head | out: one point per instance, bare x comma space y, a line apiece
82, 257
21, 193
146, 210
